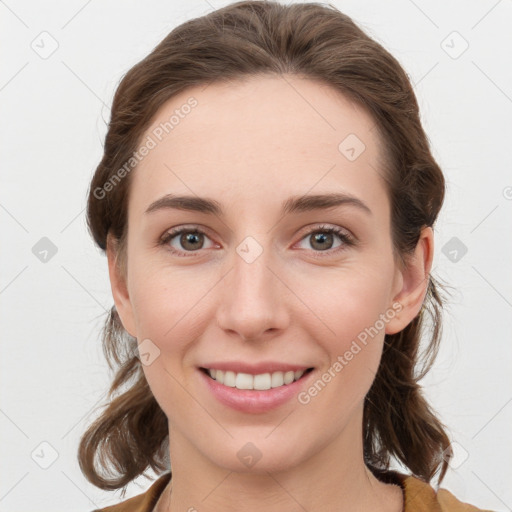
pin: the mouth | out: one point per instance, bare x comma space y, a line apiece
259, 382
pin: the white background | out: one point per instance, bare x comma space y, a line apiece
54, 114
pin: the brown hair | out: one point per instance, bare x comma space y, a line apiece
241, 40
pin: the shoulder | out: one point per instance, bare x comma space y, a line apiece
449, 502
144, 502
420, 496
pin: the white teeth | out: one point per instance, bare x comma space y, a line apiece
262, 381
259, 382
230, 379
244, 381
289, 377
277, 379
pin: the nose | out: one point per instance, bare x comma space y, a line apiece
253, 302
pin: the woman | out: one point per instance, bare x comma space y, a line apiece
266, 201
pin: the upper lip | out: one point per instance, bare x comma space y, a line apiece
254, 369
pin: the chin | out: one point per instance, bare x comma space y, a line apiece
259, 456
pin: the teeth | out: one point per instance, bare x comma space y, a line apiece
259, 382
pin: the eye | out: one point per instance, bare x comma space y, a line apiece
322, 239
190, 239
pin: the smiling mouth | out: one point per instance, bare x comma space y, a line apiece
260, 382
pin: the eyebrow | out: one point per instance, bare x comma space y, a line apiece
295, 204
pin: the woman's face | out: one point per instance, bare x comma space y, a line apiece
263, 286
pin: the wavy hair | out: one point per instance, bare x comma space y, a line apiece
241, 40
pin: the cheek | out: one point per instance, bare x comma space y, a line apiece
167, 309
348, 309
167, 302
346, 301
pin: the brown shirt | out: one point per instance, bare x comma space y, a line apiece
419, 496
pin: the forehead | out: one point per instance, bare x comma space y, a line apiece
256, 139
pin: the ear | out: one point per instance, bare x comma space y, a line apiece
119, 286
412, 283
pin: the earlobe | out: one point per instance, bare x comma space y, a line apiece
414, 279
118, 285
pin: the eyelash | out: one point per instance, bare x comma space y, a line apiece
347, 240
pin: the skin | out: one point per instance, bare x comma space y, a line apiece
251, 145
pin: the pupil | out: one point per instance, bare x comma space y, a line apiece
321, 238
191, 238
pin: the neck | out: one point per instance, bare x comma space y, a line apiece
333, 478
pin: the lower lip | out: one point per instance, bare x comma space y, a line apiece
253, 401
